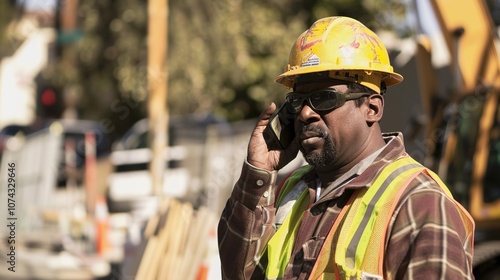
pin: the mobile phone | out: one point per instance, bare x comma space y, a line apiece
280, 131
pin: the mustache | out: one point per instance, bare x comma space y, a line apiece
316, 130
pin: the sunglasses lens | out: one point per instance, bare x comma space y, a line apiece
294, 102
320, 100
323, 100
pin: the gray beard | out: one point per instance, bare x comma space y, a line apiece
326, 157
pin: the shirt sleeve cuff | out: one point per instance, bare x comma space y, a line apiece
255, 187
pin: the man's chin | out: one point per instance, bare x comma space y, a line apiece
313, 158
318, 158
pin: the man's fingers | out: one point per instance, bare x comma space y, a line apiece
266, 114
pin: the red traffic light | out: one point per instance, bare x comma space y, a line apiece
48, 97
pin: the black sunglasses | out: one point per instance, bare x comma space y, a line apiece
322, 100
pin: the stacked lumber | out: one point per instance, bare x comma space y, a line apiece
176, 241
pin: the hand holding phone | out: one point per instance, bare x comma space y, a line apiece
280, 132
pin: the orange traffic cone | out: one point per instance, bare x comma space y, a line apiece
101, 226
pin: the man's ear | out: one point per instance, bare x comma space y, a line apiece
375, 108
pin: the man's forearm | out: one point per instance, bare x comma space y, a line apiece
246, 223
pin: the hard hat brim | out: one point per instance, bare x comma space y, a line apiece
287, 78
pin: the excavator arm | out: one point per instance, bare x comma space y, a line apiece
468, 31
467, 157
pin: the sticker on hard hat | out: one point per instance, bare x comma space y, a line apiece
310, 60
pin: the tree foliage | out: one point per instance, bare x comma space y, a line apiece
8, 12
223, 55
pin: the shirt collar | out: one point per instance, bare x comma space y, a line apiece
363, 173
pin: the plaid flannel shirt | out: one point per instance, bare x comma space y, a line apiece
426, 237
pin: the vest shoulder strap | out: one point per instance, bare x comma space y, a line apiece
366, 221
290, 182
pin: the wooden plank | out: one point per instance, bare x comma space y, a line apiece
143, 273
177, 232
206, 221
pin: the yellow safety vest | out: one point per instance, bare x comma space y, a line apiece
280, 246
362, 222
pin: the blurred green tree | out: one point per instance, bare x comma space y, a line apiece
223, 54
8, 12
108, 63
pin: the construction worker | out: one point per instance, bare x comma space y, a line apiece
362, 208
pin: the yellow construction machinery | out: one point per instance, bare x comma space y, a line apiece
463, 127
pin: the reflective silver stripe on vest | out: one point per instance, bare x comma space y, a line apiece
351, 249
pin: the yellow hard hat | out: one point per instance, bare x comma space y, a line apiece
344, 47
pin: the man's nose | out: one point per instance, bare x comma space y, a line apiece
307, 114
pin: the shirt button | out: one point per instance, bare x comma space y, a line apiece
315, 211
260, 183
266, 194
